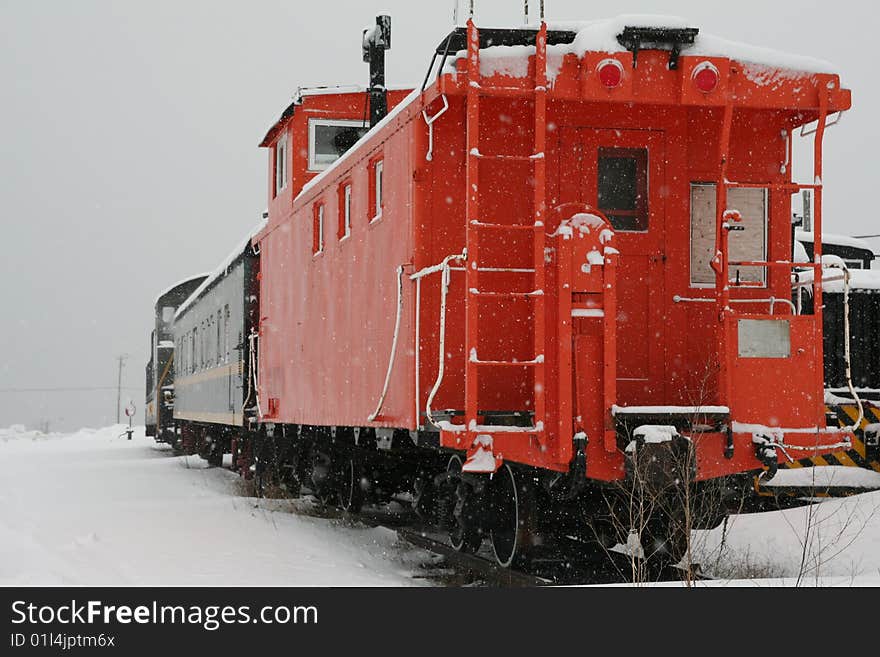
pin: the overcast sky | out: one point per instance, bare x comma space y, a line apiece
129, 136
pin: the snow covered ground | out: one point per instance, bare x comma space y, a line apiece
91, 508
833, 543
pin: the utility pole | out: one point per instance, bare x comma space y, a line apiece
121, 360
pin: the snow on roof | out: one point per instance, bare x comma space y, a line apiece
323, 90
326, 173
831, 238
222, 269
832, 277
859, 279
176, 284
873, 243
601, 36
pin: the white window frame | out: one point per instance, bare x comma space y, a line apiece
378, 180
320, 249
332, 123
711, 285
853, 263
281, 157
346, 208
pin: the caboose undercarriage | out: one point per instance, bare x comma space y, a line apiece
523, 512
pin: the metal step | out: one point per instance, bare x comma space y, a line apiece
509, 295
511, 227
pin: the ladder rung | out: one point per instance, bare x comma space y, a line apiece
505, 92
503, 428
515, 295
490, 226
501, 156
506, 270
498, 270
510, 363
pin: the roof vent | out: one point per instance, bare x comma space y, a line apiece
672, 39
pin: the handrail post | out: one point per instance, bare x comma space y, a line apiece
823, 89
722, 268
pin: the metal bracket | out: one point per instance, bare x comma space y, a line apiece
429, 121
638, 38
828, 124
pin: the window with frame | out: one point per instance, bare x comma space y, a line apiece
749, 244
281, 156
344, 211
623, 187
329, 139
219, 341
376, 182
318, 229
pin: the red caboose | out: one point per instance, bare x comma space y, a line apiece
565, 264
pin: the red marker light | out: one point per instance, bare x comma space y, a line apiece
706, 77
610, 73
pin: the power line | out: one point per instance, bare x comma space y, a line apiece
68, 389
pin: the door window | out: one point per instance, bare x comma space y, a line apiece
623, 187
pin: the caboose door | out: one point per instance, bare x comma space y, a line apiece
622, 173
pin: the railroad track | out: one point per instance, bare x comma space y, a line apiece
564, 564
474, 566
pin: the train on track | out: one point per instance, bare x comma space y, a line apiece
553, 291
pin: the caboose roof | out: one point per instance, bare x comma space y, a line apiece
580, 37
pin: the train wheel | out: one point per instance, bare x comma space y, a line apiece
460, 512
261, 473
321, 475
215, 452
513, 517
351, 492
665, 541
424, 498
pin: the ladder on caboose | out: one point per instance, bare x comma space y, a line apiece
477, 229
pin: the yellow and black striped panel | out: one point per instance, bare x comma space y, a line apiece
854, 457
